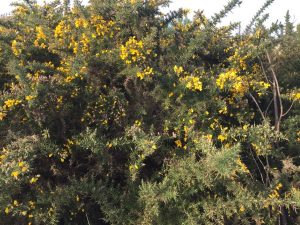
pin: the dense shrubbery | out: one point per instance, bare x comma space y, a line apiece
115, 113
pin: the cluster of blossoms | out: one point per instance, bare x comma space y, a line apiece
11, 103
296, 96
235, 82
146, 72
22, 168
132, 51
15, 48
102, 27
40, 38
191, 82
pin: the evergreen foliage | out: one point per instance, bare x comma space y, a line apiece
116, 113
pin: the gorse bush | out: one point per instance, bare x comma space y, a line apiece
116, 113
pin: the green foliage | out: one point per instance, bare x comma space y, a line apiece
115, 113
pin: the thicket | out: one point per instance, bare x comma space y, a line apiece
117, 113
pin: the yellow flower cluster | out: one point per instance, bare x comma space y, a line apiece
29, 97
74, 45
264, 85
132, 51
178, 143
242, 166
40, 33
40, 36
81, 22
102, 26
85, 41
2, 115
178, 70
182, 143
296, 96
60, 29
222, 137
260, 86
22, 169
224, 77
59, 102
146, 72
275, 193
182, 27
237, 84
11, 103
70, 78
193, 83
15, 48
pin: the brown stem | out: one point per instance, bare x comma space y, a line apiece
257, 105
278, 109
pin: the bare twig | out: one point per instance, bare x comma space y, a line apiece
260, 173
276, 95
289, 109
264, 71
257, 105
266, 111
87, 218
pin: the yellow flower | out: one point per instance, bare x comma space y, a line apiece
109, 145
237, 85
10, 103
296, 96
40, 36
59, 29
191, 121
15, 174
81, 22
223, 111
138, 123
243, 167
171, 94
279, 186
178, 69
15, 48
222, 137
24, 169
6, 210
33, 180
2, 115
245, 127
132, 51
178, 143
40, 33
85, 41
29, 97
193, 83
209, 137
60, 99
224, 77
146, 72
264, 85
21, 164
242, 208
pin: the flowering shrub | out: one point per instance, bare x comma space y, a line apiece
116, 113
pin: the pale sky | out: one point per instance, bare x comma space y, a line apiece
244, 13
